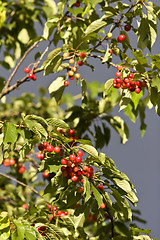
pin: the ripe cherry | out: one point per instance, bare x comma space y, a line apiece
41, 147
90, 169
66, 83
80, 63
80, 190
49, 148
85, 168
64, 161
54, 208
72, 157
21, 170
75, 169
74, 178
82, 55
119, 67
118, 74
57, 149
103, 205
130, 75
71, 132
11, 161
77, 4
69, 163
25, 206
27, 70
6, 162
80, 153
71, 77
46, 174
137, 90
118, 80
143, 84
121, 38
78, 159
100, 187
45, 144
34, 77
31, 75
127, 27
40, 156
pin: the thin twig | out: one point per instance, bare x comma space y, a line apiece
23, 184
17, 66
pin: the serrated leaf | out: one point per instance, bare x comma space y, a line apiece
36, 118
87, 189
51, 56
10, 133
20, 230
123, 184
40, 129
94, 26
143, 33
57, 123
89, 149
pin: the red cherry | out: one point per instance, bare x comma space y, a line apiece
40, 156
50, 218
69, 163
118, 74
103, 205
85, 168
49, 148
46, 174
11, 161
31, 75
77, 4
34, 77
71, 77
49, 206
21, 170
121, 38
90, 170
54, 208
27, 70
66, 83
137, 90
42, 228
74, 178
82, 55
123, 85
64, 161
71, 132
130, 75
6, 162
143, 84
41, 147
119, 67
80, 63
45, 144
100, 187
63, 169
25, 206
78, 159
127, 27
119, 80
80, 190
72, 157
79, 153
57, 149
111, 51
84, 172
79, 173
128, 84
75, 169
126, 80
138, 83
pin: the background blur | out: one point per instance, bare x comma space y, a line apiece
139, 158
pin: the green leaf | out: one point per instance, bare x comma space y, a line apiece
140, 58
57, 123
87, 190
83, 90
23, 36
95, 26
156, 82
123, 184
51, 57
20, 230
97, 195
10, 133
143, 34
108, 85
135, 229
56, 88
89, 149
30, 233
125, 99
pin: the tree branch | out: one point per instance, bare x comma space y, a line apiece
23, 184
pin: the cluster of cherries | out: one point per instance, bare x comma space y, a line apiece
30, 75
55, 212
10, 162
72, 70
128, 82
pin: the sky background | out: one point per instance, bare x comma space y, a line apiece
139, 158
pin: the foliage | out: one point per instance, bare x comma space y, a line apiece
59, 184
